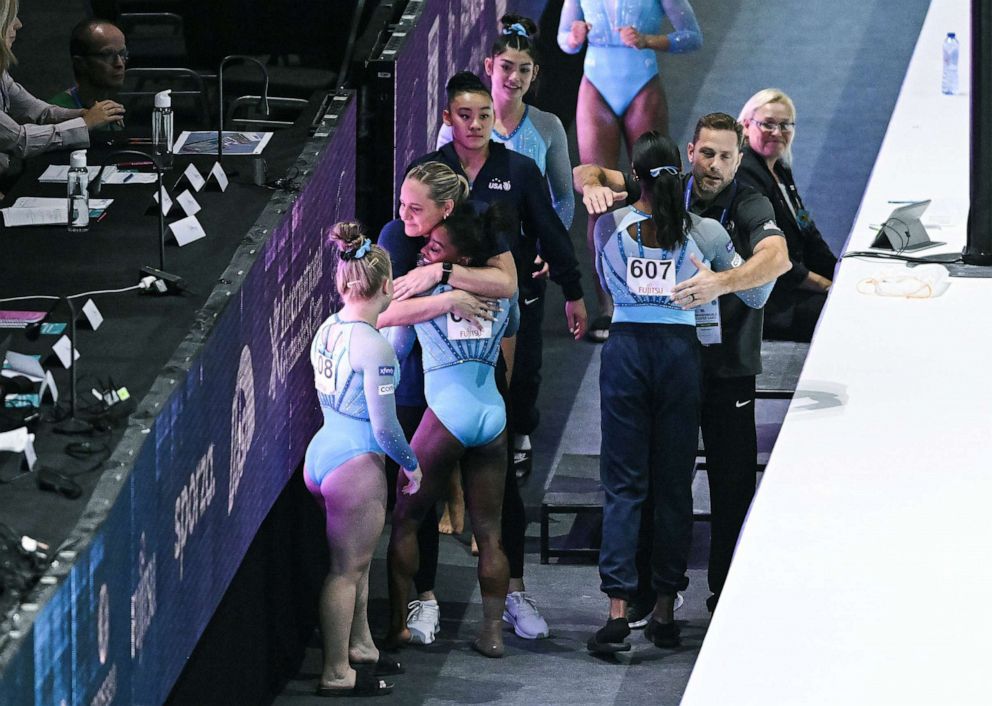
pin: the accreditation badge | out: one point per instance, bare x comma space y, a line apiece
708, 329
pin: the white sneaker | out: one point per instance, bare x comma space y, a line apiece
521, 612
423, 620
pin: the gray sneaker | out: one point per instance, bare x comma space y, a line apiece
521, 612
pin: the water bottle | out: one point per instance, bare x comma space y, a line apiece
949, 81
77, 190
162, 128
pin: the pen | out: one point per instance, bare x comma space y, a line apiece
102, 216
134, 164
896, 202
127, 178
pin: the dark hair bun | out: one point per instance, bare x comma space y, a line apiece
508, 20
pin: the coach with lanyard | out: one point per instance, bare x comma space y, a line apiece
731, 331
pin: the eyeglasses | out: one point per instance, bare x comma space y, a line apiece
110, 56
767, 126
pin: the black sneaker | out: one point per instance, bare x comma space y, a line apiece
639, 612
610, 638
522, 462
664, 635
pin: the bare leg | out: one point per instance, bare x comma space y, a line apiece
453, 519
438, 451
354, 496
361, 648
598, 131
648, 111
484, 469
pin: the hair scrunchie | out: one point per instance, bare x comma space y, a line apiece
359, 252
517, 28
667, 168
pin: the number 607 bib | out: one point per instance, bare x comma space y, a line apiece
650, 278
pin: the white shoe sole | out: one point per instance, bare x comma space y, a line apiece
423, 638
507, 618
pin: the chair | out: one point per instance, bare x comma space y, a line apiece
243, 113
189, 95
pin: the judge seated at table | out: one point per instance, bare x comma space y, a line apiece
29, 126
99, 59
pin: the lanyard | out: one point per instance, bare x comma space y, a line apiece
723, 216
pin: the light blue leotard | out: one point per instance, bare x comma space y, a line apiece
355, 373
540, 136
459, 379
707, 240
617, 71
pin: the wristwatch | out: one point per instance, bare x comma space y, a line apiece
446, 269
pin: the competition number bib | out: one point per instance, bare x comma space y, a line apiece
650, 278
463, 329
323, 373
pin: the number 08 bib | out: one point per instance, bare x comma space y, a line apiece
650, 278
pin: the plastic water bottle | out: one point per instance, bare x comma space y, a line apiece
949, 82
162, 128
77, 193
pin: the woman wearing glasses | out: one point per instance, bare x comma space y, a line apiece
29, 126
769, 119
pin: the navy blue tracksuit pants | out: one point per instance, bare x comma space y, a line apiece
650, 390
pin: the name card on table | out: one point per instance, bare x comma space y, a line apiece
165, 201
191, 175
92, 315
49, 387
61, 351
186, 230
188, 203
218, 175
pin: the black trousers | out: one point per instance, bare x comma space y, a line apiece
526, 382
731, 443
514, 519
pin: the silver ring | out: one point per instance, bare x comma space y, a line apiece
692, 297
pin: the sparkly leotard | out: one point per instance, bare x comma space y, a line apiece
707, 240
355, 373
617, 71
459, 380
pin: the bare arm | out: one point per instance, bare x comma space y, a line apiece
770, 259
455, 301
601, 188
498, 279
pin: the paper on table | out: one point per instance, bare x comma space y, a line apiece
186, 230
120, 177
235, 142
60, 173
38, 211
26, 365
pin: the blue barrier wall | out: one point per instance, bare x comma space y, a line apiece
206, 454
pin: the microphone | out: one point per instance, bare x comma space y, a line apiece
263, 102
